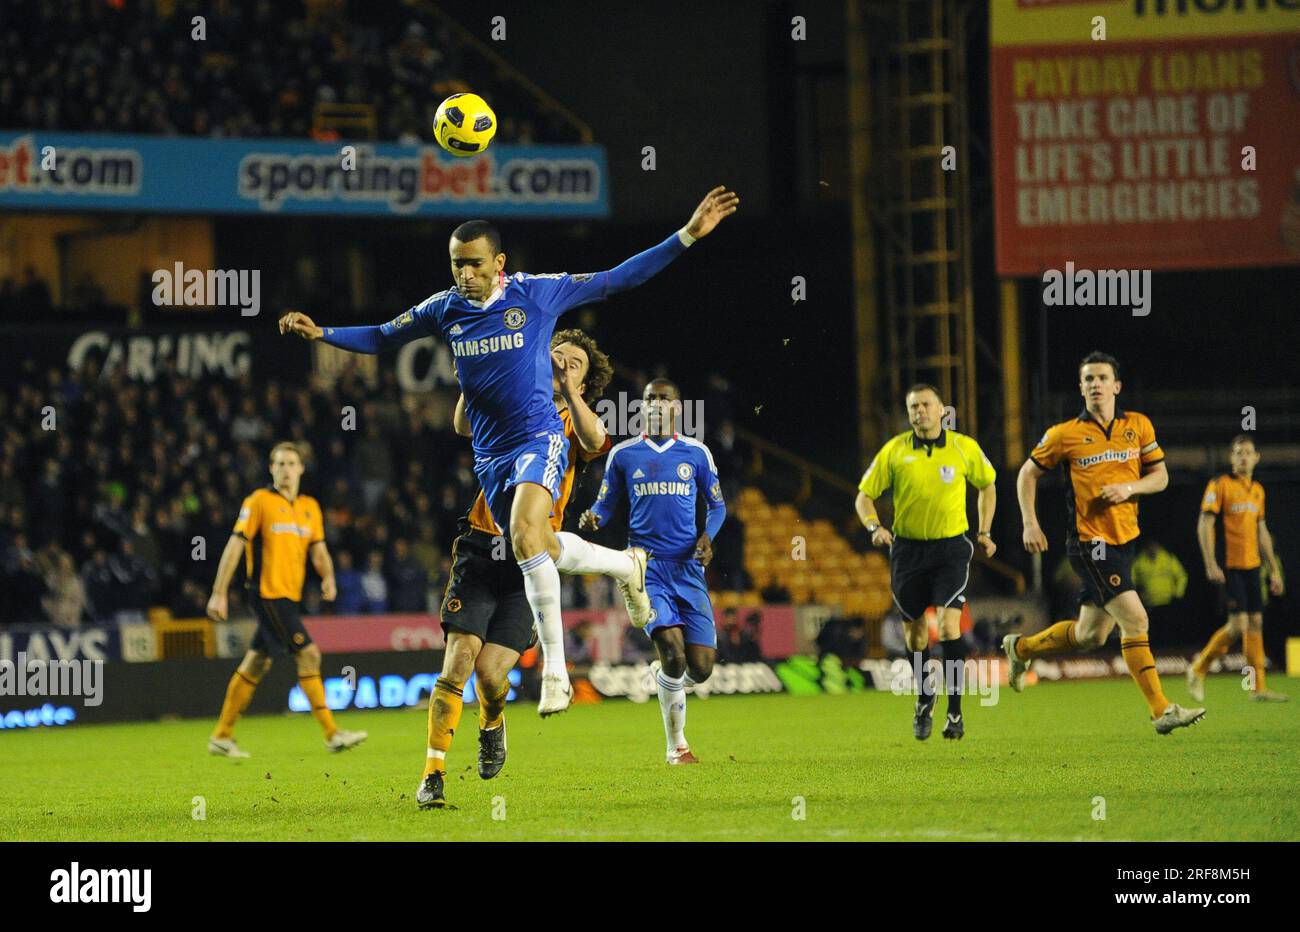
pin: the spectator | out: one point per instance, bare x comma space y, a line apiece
578, 642
374, 587
736, 641
33, 297
66, 598
24, 586
774, 593
351, 595
98, 584
846, 638
373, 461
409, 582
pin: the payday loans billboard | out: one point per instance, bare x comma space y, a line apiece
1171, 143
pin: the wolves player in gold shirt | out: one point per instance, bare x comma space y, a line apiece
1240, 499
277, 530
1111, 457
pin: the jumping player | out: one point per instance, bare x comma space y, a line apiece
277, 530
663, 475
1240, 499
485, 612
499, 329
1111, 457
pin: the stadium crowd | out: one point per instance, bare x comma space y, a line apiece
118, 495
134, 66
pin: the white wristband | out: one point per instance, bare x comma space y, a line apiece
685, 237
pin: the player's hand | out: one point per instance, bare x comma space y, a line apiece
704, 550
1117, 492
1275, 584
588, 521
565, 375
1214, 573
987, 545
1034, 539
217, 606
328, 589
717, 205
882, 538
299, 323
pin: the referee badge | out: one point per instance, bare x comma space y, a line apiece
947, 473
514, 318
453, 605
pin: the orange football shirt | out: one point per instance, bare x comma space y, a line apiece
481, 519
1241, 502
287, 530
1095, 456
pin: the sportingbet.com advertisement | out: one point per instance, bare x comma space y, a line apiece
80, 171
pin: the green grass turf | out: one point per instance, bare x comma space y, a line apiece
1029, 768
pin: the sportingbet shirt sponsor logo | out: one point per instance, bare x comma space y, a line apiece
503, 351
662, 480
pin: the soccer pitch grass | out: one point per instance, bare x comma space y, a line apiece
1030, 768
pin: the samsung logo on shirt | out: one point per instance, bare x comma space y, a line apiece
1118, 456
488, 345
662, 488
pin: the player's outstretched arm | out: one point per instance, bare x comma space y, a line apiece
368, 340
717, 205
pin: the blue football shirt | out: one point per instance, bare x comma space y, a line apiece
503, 351
662, 479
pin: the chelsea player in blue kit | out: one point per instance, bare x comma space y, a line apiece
499, 329
663, 475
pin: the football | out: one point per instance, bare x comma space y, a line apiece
464, 124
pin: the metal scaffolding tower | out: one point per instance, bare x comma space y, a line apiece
929, 304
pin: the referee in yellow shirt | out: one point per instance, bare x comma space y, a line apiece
927, 469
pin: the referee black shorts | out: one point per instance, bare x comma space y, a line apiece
280, 631
923, 573
1241, 591
1106, 569
485, 597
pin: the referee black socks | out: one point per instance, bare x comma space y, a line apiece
954, 672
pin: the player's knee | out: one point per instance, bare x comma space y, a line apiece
458, 664
700, 670
1088, 639
673, 660
527, 539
